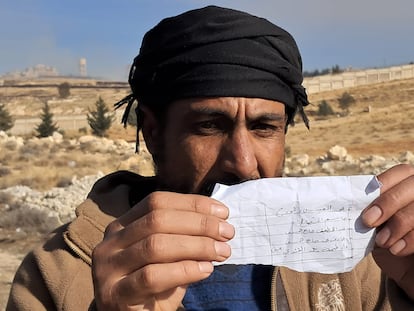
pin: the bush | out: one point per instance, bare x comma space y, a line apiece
346, 100
288, 151
83, 130
324, 109
100, 120
4, 171
64, 181
64, 90
6, 121
47, 127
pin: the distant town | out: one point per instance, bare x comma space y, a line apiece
43, 71
315, 81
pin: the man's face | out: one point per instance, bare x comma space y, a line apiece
226, 140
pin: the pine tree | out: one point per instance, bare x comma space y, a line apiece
100, 120
46, 127
6, 121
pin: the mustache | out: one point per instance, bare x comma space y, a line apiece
208, 186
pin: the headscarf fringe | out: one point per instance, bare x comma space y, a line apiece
129, 101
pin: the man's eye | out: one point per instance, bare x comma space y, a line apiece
207, 127
208, 124
266, 129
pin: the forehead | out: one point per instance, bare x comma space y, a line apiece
230, 106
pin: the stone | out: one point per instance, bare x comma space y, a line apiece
337, 153
407, 157
57, 137
302, 160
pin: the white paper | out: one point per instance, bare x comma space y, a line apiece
309, 224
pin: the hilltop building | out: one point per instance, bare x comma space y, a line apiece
38, 71
82, 67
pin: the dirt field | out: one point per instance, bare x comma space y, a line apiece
388, 129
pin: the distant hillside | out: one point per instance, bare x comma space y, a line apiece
388, 129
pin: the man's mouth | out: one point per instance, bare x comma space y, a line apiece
208, 187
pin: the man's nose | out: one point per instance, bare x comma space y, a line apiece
239, 157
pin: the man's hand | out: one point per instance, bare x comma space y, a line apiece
150, 254
392, 213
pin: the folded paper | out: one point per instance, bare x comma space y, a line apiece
309, 224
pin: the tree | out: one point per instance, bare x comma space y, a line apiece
46, 127
100, 120
6, 121
336, 69
346, 100
64, 90
324, 109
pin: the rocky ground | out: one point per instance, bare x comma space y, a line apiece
56, 173
54, 207
50, 208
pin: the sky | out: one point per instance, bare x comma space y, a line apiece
108, 33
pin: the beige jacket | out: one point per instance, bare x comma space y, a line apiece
57, 275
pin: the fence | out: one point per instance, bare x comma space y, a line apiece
313, 85
68, 122
357, 78
26, 126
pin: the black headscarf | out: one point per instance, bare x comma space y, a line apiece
217, 52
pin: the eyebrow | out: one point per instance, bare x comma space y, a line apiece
214, 112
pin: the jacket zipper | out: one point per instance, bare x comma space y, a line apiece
77, 250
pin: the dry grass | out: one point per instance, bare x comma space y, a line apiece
387, 130
42, 166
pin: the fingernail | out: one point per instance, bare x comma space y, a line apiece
398, 247
226, 230
382, 236
205, 266
372, 215
222, 249
219, 211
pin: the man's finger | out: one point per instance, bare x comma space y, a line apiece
397, 227
155, 279
175, 201
172, 222
396, 193
395, 175
164, 248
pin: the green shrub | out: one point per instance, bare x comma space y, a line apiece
346, 100
100, 120
324, 109
6, 121
46, 127
64, 90
83, 130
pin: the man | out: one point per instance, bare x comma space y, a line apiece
217, 89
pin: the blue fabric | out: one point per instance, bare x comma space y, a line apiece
232, 287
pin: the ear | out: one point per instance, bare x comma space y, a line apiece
150, 130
